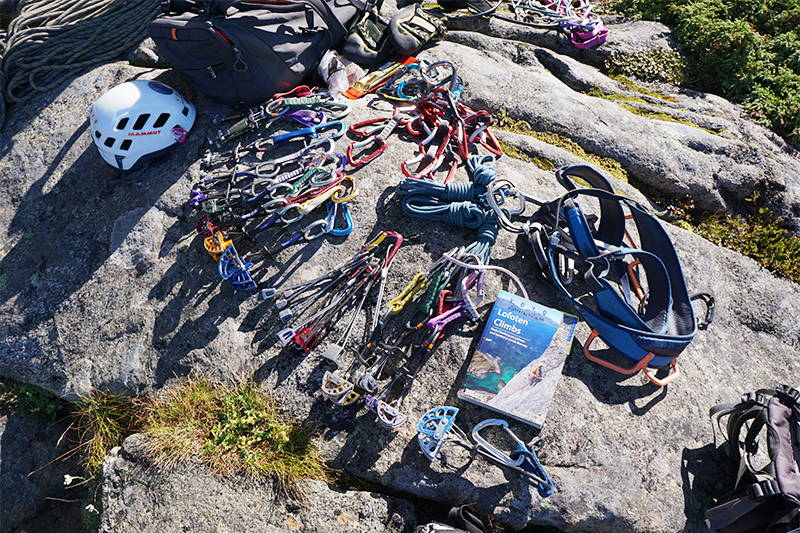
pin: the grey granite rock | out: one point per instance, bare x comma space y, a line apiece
104, 285
32, 477
139, 497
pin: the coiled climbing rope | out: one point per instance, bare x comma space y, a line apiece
52, 40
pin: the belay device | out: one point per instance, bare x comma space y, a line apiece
648, 325
766, 498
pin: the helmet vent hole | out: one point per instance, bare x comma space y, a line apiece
97, 134
185, 111
126, 144
122, 123
141, 121
110, 142
161, 120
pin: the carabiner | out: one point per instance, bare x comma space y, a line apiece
275, 187
288, 208
333, 209
347, 190
315, 230
491, 450
313, 132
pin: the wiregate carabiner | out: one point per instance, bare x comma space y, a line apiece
526, 463
313, 231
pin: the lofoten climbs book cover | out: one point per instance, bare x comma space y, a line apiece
519, 359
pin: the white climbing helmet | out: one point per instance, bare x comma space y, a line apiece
138, 120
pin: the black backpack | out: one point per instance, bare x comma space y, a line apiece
765, 499
242, 52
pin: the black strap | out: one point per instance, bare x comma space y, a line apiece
726, 514
462, 517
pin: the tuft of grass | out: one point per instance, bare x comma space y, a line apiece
655, 115
103, 420
31, 401
635, 87
512, 151
232, 429
759, 236
613, 167
598, 93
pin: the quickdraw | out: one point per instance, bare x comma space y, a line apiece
318, 304
446, 130
303, 105
437, 428
264, 185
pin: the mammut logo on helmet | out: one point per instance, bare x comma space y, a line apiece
155, 132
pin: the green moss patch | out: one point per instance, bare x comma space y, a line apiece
598, 93
655, 115
521, 127
635, 87
512, 151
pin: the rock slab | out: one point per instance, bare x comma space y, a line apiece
141, 498
105, 286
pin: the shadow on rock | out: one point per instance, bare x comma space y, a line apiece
64, 227
705, 473
32, 479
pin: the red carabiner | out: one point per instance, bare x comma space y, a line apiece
368, 157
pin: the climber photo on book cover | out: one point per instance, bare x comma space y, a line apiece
518, 362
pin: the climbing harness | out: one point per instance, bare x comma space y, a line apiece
437, 428
650, 323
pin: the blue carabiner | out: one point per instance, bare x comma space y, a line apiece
333, 208
313, 132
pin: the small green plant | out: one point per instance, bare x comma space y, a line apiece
635, 87
232, 429
92, 510
31, 401
102, 420
659, 64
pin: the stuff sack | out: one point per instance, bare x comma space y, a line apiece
241, 52
766, 498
